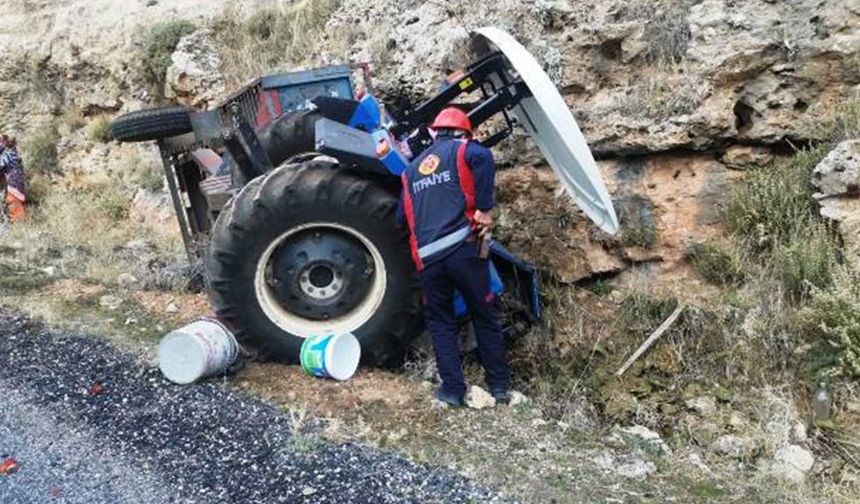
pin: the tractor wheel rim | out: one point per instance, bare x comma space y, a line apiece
321, 282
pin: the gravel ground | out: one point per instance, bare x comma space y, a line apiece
145, 440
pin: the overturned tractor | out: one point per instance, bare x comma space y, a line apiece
287, 194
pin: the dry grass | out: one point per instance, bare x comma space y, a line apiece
83, 224
271, 39
40, 150
667, 31
718, 263
99, 129
662, 94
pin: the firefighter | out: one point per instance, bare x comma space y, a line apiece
12, 176
447, 202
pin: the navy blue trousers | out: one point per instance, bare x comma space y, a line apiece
464, 271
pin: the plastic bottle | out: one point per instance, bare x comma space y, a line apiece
821, 403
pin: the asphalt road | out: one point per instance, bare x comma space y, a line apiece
145, 440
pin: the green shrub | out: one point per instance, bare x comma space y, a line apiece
642, 312
774, 204
806, 262
834, 312
159, 47
149, 177
113, 203
718, 264
99, 129
140, 174
40, 151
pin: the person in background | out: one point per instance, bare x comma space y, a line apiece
12, 177
447, 202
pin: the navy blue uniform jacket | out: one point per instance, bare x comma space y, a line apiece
442, 188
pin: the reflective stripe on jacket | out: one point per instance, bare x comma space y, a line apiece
440, 198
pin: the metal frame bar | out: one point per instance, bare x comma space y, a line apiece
477, 76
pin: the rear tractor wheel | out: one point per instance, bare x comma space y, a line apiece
307, 250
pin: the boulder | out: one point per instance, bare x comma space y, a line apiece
838, 174
478, 398
110, 302
837, 181
792, 462
703, 405
628, 465
740, 157
194, 77
733, 446
644, 436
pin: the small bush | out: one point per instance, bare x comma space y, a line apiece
641, 311
99, 129
140, 174
159, 47
660, 96
774, 205
113, 202
150, 178
667, 31
843, 123
834, 313
807, 261
717, 264
40, 151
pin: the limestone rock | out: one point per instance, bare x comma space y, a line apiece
744, 156
110, 302
194, 76
837, 180
126, 280
478, 398
628, 466
838, 174
518, 398
646, 436
734, 446
703, 405
798, 433
793, 462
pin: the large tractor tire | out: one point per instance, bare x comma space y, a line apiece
153, 124
310, 249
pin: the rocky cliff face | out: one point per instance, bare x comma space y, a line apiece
674, 96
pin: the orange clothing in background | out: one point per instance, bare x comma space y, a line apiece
15, 207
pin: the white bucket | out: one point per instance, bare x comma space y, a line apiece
333, 356
198, 350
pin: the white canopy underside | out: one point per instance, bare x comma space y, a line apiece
550, 123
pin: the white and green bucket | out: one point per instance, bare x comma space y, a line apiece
333, 356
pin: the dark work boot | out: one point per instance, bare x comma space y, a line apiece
449, 399
502, 396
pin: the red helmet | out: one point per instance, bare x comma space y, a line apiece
452, 118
